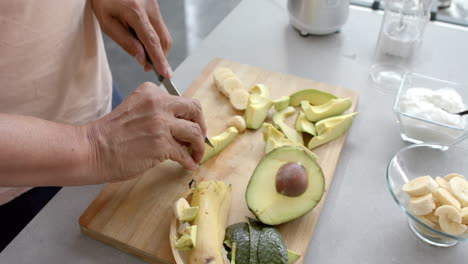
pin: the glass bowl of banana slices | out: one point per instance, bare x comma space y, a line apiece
427, 183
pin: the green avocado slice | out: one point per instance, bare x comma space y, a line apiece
331, 108
330, 129
219, 142
257, 110
314, 96
281, 103
273, 208
293, 256
304, 125
271, 248
279, 122
239, 234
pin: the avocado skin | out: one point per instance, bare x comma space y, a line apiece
271, 248
255, 231
239, 234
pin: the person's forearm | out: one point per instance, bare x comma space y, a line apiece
36, 152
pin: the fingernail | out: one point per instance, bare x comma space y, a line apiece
169, 71
141, 59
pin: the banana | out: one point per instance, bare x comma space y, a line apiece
420, 186
179, 207
444, 197
432, 217
459, 189
421, 205
450, 176
426, 221
231, 84
214, 200
450, 220
443, 183
239, 99
464, 213
238, 122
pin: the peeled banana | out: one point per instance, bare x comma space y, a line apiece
420, 186
450, 176
238, 122
446, 198
443, 183
459, 188
239, 99
464, 213
450, 220
421, 205
226, 81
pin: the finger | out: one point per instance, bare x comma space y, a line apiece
188, 109
125, 39
157, 21
190, 133
179, 153
140, 23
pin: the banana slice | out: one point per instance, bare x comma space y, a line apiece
450, 176
239, 99
444, 197
464, 213
179, 207
229, 85
432, 217
221, 74
450, 220
459, 189
421, 205
426, 221
443, 183
420, 186
238, 122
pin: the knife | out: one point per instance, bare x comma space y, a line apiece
171, 89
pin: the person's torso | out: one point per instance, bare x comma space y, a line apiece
52, 62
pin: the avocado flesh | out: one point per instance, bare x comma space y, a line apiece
304, 125
187, 241
293, 256
189, 214
257, 111
314, 96
274, 139
273, 208
219, 142
278, 122
271, 248
239, 234
330, 129
281, 103
331, 108
260, 89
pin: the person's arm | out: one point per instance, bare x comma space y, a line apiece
148, 128
37, 152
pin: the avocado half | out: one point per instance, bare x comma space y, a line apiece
273, 208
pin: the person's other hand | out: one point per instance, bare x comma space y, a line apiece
148, 128
117, 16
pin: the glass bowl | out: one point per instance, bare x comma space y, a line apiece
419, 130
419, 160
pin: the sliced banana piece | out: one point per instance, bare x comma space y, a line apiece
426, 221
421, 205
179, 207
432, 217
420, 186
238, 122
450, 220
239, 99
459, 188
444, 197
443, 183
464, 213
450, 176
221, 74
231, 84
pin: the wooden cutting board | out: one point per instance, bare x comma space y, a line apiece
134, 216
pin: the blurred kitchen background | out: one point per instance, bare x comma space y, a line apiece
190, 21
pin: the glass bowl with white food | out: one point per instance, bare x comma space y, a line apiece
425, 109
428, 183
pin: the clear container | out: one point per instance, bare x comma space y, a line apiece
400, 36
418, 130
419, 160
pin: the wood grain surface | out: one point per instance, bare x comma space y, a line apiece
135, 215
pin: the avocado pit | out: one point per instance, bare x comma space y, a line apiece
291, 179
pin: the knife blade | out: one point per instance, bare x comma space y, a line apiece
171, 89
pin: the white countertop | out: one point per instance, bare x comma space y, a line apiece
360, 223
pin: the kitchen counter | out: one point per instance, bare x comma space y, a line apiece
360, 222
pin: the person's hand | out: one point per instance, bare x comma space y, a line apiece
148, 128
117, 16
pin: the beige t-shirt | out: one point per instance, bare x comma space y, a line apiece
52, 64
